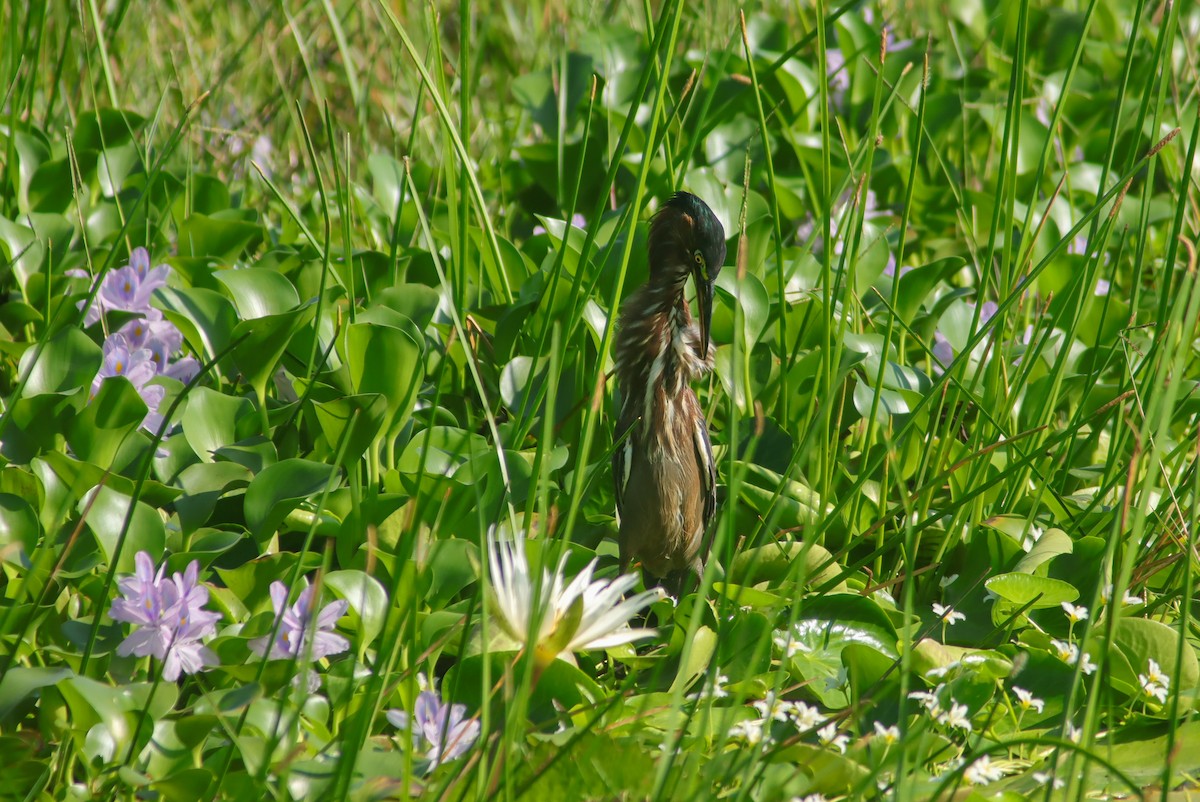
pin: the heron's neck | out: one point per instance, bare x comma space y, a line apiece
657, 347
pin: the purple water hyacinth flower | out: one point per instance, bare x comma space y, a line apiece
163, 341
127, 288
441, 732
169, 617
299, 634
152, 395
134, 364
183, 370
838, 75
120, 290
143, 347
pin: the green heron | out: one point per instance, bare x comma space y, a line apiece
664, 472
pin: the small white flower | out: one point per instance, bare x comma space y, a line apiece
829, 736
1155, 674
1028, 701
1086, 665
773, 708
1073, 733
929, 701
750, 730
806, 717
1044, 777
956, 717
982, 772
1075, 613
1032, 537
947, 581
948, 614
1155, 690
1130, 598
890, 735
790, 647
810, 798
1067, 652
713, 691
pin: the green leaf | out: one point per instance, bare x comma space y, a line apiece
917, 284
1051, 544
114, 166
367, 348
205, 317
259, 292
204, 485
68, 362
99, 430
775, 562
452, 564
213, 420
1039, 591
19, 530
266, 338
222, 236
21, 682
704, 646
1142, 640
279, 489
106, 520
363, 414
367, 598
105, 128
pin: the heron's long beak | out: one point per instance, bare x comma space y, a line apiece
704, 296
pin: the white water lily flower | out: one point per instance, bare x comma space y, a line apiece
1028, 701
580, 615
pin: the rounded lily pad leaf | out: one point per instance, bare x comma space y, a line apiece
777, 561
1036, 591
985, 663
279, 489
747, 597
68, 361
106, 520
367, 599
1142, 640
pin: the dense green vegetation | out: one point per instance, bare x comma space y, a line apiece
306, 312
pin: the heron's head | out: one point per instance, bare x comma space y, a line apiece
687, 239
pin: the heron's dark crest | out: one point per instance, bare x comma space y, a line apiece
664, 472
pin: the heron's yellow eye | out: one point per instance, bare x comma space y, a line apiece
699, 257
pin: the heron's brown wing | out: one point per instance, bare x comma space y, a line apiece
622, 459
708, 469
